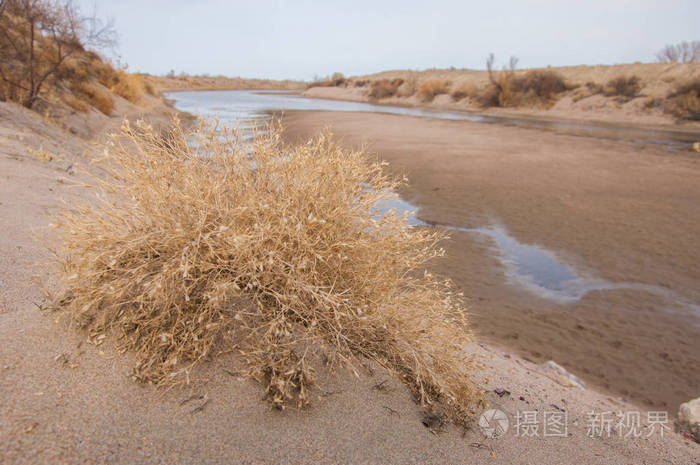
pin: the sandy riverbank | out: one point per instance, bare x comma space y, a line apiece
67, 401
578, 103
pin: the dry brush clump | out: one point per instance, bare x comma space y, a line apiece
384, 88
200, 243
536, 88
431, 88
466, 89
129, 86
624, 87
97, 97
684, 101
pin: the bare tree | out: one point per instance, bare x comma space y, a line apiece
684, 52
36, 39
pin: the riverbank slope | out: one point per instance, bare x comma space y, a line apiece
590, 93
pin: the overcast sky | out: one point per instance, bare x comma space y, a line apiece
303, 39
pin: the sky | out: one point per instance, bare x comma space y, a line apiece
306, 39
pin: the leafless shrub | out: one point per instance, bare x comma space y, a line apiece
626, 87
467, 89
200, 243
684, 101
684, 52
336, 80
429, 89
384, 88
535, 88
100, 99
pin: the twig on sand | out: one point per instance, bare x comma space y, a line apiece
231, 373
200, 407
192, 397
391, 410
330, 393
481, 445
381, 386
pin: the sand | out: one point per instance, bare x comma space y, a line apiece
622, 211
67, 401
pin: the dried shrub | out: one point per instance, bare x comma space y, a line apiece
540, 85
76, 103
384, 88
536, 88
409, 87
200, 242
150, 89
684, 101
626, 87
336, 80
466, 89
129, 86
98, 98
433, 87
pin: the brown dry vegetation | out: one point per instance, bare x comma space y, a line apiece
623, 86
207, 245
536, 88
684, 101
76, 103
129, 86
100, 99
336, 80
384, 88
429, 89
466, 89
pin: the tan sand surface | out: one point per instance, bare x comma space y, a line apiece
621, 211
64, 400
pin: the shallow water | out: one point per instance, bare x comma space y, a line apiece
246, 107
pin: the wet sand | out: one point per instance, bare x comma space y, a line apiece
615, 210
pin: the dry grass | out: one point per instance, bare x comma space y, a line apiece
129, 86
536, 88
384, 88
336, 80
100, 99
684, 101
429, 89
200, 243
467, 89
76, 104
626, 87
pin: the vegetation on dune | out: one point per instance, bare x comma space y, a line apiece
97, 97
431, 88
129, 86
336, 80
384, 88
534, 88
201, 244
626, 87
466, 89
40, 43
684, 101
